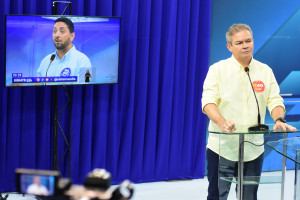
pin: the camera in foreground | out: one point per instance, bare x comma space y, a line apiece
46, 184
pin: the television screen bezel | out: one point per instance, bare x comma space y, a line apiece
20, 172
53, 85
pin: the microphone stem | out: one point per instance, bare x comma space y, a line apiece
48, 67
258, 115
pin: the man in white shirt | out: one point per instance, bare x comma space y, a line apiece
66, 60
36, 188
229, 102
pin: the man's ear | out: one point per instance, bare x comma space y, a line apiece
72, 36
229, 47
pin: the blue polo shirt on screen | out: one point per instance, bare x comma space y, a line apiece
74, 63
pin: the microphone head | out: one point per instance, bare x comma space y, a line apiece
246, 69
52, 57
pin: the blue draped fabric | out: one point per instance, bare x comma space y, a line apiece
149, 127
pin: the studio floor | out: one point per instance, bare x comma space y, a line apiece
197, 189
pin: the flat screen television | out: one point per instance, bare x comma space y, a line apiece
31, 58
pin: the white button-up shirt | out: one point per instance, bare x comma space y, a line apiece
74, 63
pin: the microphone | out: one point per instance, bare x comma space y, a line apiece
51, 59
259, 127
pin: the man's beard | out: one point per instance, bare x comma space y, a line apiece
62, 46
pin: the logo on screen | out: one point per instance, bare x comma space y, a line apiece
65, 72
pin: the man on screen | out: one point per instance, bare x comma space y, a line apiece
66, 60
36, 188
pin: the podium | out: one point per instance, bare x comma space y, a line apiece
290, 148
239, 147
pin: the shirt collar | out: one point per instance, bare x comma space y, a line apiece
238, 65
67, 55
251, 63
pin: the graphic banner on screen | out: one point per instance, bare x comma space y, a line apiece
33, 47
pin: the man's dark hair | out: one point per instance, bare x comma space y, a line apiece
67, 21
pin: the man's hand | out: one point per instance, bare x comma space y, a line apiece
276, 113
280, 126
227, 127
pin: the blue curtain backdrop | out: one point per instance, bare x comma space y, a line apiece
149, 127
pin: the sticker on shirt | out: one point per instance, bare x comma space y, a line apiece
65, 72
258, 86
